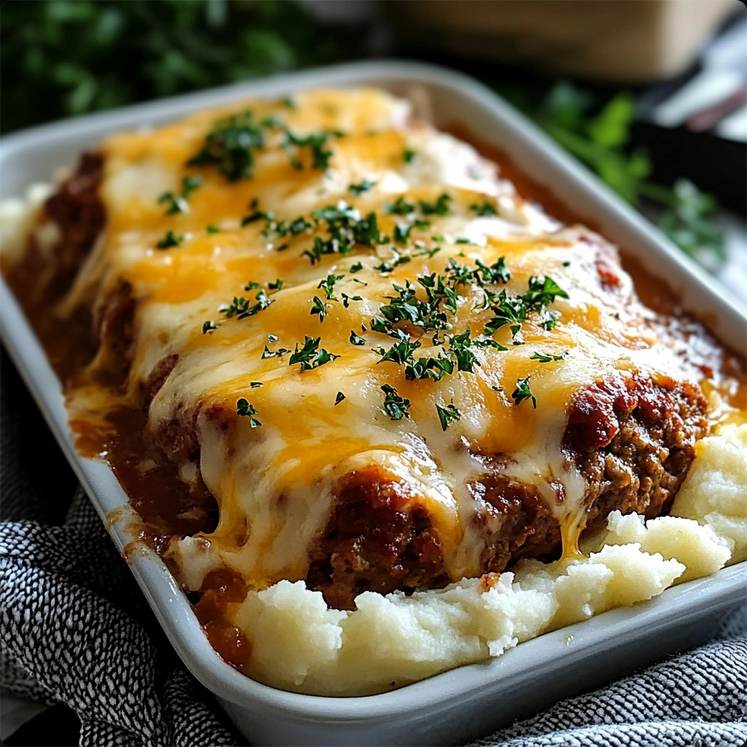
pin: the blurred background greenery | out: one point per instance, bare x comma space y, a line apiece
69, 57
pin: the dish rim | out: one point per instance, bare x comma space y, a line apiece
159, 586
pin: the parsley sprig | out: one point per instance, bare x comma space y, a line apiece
177, 203
447, 415
523, 392
395, 407
310, 355
244, 409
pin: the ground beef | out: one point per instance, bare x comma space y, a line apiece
632, 438
116, 334
378, 539
76, 207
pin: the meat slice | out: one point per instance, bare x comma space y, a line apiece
77, 209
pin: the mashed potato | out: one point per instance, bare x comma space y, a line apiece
300, 644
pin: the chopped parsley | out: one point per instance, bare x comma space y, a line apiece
310, 356
241, 307
178, 203
319, 307
357, 267
361, 187
399, 207
523, 392
316, 142
279, 353
209, 327
346, 229
408, 155
402, 233
439, 207
328, 284
356, 339
395, 407
232, 144
244, 409
483, 209
339, 398
169, 240
542, 358
346, 299
513, 311
212, 228
255, 216
255, 384
447, 414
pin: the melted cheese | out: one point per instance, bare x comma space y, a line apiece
275, 484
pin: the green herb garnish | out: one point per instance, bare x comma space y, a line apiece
169, 240
395, 407
523, 392
361, 187
309, 355
447, 414
543, 358
244, 409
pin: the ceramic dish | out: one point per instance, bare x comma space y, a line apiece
465, 702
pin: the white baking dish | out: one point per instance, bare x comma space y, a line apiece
465, 702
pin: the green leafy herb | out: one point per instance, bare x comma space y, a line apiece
346, 229
483, 209
523, 392
447, 414
231, 146
690, 224
439, 207
212, 229
319, 307
402, 233
357, 339
361, 187
178, 203
395, 407
328, 284
279, 353
244, 409
309, 355
255, 384
316, 142
408, 155
169, 240
399, 207
209, 327
543, 358
241, 307
339, 398
255, 216
601, 139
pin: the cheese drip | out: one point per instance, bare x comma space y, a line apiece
276, 481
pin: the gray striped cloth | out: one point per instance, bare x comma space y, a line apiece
75, 630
